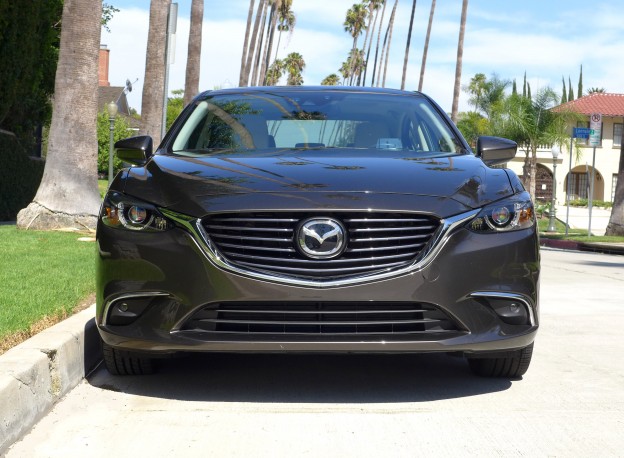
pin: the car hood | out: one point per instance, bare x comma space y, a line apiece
317, 179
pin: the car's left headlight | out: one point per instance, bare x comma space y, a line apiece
125, 212
506, 215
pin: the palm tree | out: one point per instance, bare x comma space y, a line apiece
355, 62
246, 44
287, 22
275, 7
426, 48
458, 65
376, 5
294, 65
246, 71
407, 46
331, 80
154, 85
68, 194
596, 90
256, 67
354, 23
383, 11
373, 6
390, 28
345, 71
616, 220
191, 84
275, 72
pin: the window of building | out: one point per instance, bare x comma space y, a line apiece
617, 134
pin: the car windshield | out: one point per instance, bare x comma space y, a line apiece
249, 121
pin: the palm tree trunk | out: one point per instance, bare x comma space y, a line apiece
423, 64
68, 194
383, 11
383, 51
246, 43
391, 27
407, 46
616, 221
191, 85
256, 70
253, 43
269, 48
370, 45
458, 65
368, 29
154, 85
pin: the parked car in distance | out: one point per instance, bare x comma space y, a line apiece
317, 219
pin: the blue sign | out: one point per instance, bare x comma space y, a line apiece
581, 132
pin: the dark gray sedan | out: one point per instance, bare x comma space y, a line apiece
317, 219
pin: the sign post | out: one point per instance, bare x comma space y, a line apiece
577, 132
595, 126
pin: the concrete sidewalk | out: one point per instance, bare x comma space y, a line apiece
579, 218
37, 373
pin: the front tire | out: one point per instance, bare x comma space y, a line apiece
508, 367
119, 362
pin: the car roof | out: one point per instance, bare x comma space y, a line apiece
291, 89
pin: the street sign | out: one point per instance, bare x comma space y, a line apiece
595, 125
581, 132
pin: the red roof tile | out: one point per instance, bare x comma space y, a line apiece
605, 104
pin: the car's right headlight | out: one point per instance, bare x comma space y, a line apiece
125, 212
506, 215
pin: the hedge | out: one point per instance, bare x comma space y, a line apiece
20, 176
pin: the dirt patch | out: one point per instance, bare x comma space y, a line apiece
46, 322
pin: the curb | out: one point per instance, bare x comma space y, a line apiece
37, 373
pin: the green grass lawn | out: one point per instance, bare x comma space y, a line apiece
577, 235
45, 275
102, 186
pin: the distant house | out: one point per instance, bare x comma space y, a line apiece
108, 93
611, 107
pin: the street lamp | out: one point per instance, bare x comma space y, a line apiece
551, 223
112, 113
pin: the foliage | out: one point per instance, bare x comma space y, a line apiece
331, 80
596, 90
595, 203
472, 125
175, 105
294, 65
107, 14
580, 84
121, 130
275, 72
33, 267
29, 41
19, 178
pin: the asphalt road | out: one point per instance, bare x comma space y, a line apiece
570, 403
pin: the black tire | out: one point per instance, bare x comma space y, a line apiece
119, 362
508, 367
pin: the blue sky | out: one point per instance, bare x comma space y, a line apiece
548, 39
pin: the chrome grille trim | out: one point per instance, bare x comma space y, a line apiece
441, 236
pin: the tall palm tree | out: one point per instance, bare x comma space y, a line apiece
355, 63
372, 6
294, 65
68, 195
376, 7
383, 11
407, 45
246, 43
263, 27
274, 73
355, 22
331, 80
616, 220
246, 72
191, 84
287, 21
275, 7
458, 65
154, 84
390, 28
426, 48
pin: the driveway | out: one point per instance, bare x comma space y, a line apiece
570, 403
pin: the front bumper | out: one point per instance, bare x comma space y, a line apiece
171, 273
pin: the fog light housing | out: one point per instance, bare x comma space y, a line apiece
510, 311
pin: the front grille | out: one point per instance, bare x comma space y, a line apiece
265, 242
321, 319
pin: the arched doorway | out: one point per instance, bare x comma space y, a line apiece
543, 183
580, 177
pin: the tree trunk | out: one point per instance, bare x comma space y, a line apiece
533, 171
154, 85
368, 31
246, 43
391, 27
616, 221
68, 194
407, 46
423, 64
191, 86
458, 65
256, 67
370, 45
383, 11
253, 43
269, 47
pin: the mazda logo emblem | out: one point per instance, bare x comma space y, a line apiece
321, 238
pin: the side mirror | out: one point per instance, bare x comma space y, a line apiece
496, 150
135, 150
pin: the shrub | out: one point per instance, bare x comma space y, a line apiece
20, 176
122, 130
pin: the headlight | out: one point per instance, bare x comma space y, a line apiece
126, 212
506, 215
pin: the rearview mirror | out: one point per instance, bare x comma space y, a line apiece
135, 150
496, 150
